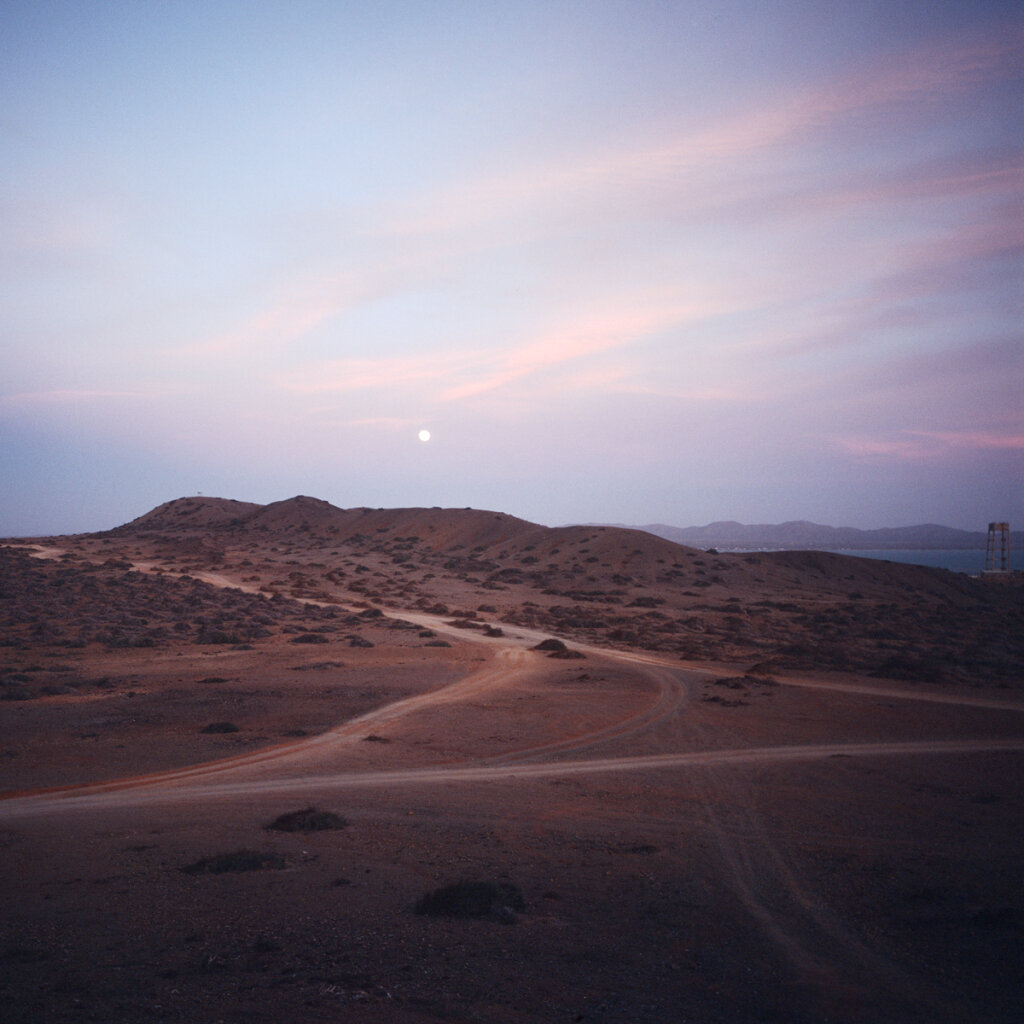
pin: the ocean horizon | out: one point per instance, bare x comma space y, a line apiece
957, 560
971, 560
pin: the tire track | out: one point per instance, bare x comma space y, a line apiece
161, 790
819, 945
505, 667
673, 693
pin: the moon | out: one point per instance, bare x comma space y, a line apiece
424, 435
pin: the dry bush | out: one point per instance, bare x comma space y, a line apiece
550, 644
472, 900
239, 860
309, 819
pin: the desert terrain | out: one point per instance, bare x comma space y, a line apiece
300, 763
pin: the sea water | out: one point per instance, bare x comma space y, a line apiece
971, 561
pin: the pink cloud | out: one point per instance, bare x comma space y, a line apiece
374, 374
699, 166
697, 170
572, 342
391, 422
973, 439
918, 445
37, 233
708, 393
279, 324
467, 374
63, 396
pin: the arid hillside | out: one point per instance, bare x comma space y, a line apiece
607, 585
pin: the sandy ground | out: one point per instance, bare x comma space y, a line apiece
690, 842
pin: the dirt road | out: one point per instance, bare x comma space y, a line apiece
299, 764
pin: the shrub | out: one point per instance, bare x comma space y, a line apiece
309, 638
239, 860
550, 645
217, 636
471, 900
215, 727
309, 819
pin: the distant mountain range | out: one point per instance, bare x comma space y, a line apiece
479, 528
802, 535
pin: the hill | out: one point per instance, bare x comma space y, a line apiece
597, 584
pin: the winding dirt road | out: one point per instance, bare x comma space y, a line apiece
188, 786
300, 764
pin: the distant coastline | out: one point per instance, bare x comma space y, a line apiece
802, 535
966, 560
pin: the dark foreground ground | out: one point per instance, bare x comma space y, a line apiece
844, 890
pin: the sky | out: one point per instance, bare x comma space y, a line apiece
628, 262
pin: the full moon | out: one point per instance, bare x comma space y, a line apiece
424, 435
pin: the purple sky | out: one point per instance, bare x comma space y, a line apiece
628, 262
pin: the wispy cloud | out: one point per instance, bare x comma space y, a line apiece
698, 167
40, 233
709, 393
65, 396
391, 422
733, 170
918, 445
275, 326
388, 372
589, 335
459, 375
